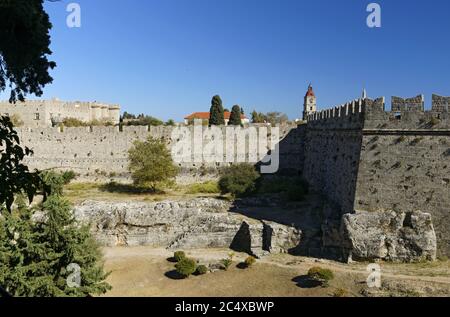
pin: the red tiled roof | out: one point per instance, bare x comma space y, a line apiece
205, 116
310, 92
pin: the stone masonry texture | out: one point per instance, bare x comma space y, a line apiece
362, 158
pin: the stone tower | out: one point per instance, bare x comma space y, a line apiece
310, 104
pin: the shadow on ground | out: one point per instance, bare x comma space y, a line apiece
303, 281
114, 187
174, 275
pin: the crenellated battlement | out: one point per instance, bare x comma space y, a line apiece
415, 104
406, 113
346, 116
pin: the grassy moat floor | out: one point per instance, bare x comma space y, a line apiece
143, 271
79, 192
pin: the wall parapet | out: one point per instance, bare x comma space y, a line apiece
346, 116
406, 113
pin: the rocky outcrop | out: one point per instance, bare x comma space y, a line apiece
186, 224
389, 235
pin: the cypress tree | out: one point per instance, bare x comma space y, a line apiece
216, 113
235, 117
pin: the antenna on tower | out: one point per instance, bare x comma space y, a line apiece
364, 94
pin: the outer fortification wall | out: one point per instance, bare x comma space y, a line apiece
102, 152
372, 160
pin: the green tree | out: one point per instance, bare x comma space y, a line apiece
15, 177
42, 250
216, 113
258, 117
235, 117
151, 163
24, 48
275, 118
239, 179
170, 123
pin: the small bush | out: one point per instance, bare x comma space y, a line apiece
68, 176
210, 187
238, 180
16, 121
186, 267
73, 123
179, 255
340, 292
324, 276
400, 139
250, 261
443, 258
416, 141
434, 121
201, 270
228, 261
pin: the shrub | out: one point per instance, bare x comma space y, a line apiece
210, 187
186, 267
179, 255
400, 139
324, 276
250, 261
68, 176
434, 121
53, 182
201, 270
228, 261
73, 122
416, 141
151, 163
238, 180
340, 292
16, 121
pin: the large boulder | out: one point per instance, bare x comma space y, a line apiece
389, 235
184, 224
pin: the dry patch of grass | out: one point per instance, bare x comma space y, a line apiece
144, 271
79, 192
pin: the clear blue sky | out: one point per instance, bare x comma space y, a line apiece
167, 58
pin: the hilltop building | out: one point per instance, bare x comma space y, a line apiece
47, 113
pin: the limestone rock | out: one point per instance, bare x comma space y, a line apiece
185, 224
389, 236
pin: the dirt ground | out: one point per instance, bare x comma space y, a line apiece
145, 271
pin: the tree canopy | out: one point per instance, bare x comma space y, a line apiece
235, 117
24, 48
14, 175
216, 113
151, 163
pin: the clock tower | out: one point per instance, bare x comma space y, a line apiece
310, 105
